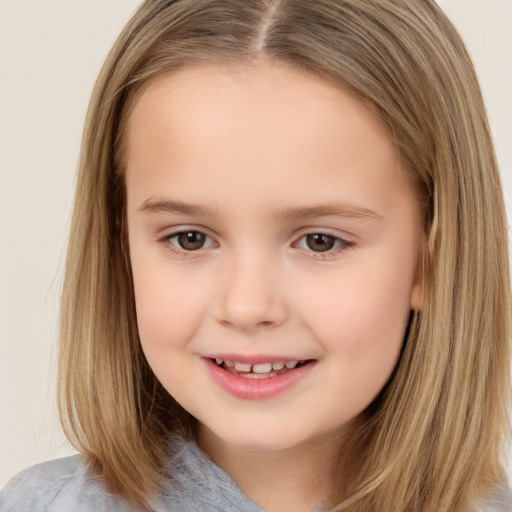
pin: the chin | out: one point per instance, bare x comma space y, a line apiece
256, 443
264, 438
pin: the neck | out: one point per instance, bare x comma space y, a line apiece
295, 479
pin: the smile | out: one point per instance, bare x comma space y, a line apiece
260, 370
257, 380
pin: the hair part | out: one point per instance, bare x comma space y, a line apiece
432, 439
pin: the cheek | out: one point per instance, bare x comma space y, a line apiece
362, 316
361, 326
169, 314
169, 307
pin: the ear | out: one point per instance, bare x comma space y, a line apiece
417, 298
419, 287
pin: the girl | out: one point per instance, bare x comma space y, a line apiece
287, 279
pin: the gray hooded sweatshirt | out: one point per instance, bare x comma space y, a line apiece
198, 485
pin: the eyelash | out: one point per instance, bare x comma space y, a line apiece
340, 244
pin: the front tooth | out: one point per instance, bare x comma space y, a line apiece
229, 363
256, 376
262, 368
291, 364
242, 367
219, 361
278, 366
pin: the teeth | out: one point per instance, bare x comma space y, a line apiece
242, 367
257, 376
262, 368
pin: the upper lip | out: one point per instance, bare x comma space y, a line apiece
256, 358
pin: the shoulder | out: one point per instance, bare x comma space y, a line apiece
59, 485
37, 487
500, 501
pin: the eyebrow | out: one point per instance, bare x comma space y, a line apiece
301, 212
339, 210
169, 206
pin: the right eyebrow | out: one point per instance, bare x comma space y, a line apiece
170, 206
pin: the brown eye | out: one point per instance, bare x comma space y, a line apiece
190, 240
319, 242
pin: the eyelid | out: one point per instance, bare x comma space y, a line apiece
166, 238
343, 243
175, 235
318, 230
171, 231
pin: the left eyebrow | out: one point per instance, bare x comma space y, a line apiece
338, 210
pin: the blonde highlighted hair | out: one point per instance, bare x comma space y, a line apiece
433, 438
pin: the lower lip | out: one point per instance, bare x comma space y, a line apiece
255, 389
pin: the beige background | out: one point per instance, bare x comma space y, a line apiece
50, 53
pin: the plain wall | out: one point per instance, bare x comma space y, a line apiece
50, 54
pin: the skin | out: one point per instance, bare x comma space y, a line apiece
252, 146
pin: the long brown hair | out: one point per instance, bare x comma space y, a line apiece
433, 438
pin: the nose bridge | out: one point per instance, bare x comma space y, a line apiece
251, 295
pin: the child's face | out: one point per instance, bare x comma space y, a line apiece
270, 220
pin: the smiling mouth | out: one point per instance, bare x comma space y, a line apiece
261, 370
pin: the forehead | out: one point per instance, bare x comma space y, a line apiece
276, 88
252, 124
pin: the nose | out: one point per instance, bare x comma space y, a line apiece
251, 296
